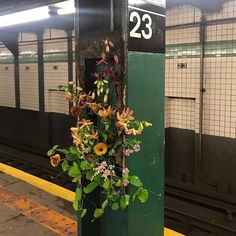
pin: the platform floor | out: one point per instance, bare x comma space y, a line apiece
26, 210
30, 206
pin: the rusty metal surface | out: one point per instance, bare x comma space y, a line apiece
55, 222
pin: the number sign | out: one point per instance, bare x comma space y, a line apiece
146, 26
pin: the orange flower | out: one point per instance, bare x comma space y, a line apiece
94, 107
132, 131
106, 113
93, 135
100, 149
55, 160
85, 123
76, 138
126, 115
122, 125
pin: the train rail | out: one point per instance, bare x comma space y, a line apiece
195, 214
26, 161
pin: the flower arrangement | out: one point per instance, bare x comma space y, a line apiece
103, 139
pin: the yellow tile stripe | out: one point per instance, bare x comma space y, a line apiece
53, 188
39, 183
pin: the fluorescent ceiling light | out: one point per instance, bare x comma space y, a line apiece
65, 8
66, 11
161, 3
31, 15
137, 2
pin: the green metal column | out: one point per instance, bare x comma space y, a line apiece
137, 29
146, 97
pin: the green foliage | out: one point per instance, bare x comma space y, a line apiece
97, 158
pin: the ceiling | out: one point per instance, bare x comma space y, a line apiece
207, 5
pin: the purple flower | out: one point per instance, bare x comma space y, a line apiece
120, 193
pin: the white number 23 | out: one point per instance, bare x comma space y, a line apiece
147, 33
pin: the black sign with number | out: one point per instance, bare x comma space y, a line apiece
147, 26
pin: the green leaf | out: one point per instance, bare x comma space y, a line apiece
143, 195
74, 150
104, 136
125, 176
98, 177
106, 184
124, 201
89, 175
98, 212
118, 183
64, 151
115, 206
74, 171
65, 166
75, 180
105, 203
52, 151
85, 165
90, 187
134, 180
83, 213
78, 196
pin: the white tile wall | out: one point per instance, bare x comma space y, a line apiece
220, 97
228, 11
29, 95
180, 113
219, 102
180, 36
55, 100
7, 85
182, 82
182, 15
221, 32
55, 41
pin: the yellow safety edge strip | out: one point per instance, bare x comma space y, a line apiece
53, 188
39, 183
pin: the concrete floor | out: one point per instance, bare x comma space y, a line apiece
14, 223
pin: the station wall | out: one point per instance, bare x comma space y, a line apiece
182, 96
55, 50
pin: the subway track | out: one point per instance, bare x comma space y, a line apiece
34, 164
197, 215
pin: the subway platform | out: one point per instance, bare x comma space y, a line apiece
26, 210
32, 206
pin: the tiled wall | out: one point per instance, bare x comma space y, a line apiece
29, 94
7, 82
55, 70
183, 71
55, 44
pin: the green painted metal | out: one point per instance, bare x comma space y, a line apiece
145, 95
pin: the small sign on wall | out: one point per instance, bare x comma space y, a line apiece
182, 65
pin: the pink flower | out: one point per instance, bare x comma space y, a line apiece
137, 147
103, 60
116, 59
106, 173
125, 171
125, 182
103, 164
127, 152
